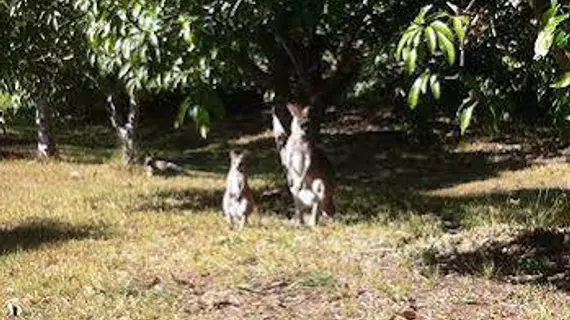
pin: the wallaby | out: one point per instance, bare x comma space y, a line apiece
157, 167
310, 174
238, 200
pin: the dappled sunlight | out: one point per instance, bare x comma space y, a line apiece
556, 176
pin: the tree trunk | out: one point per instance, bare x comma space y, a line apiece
126, 132
46, 143
317, 117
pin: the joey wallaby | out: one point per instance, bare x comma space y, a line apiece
157, 167
310, 174
238, 200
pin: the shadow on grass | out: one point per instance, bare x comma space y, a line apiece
531, 207
194, 200
533, 257
32, 235
176, 201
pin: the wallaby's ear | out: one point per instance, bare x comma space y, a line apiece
278, 128
305, 111
294, 109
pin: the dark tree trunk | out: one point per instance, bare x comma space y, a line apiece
46, 143
127, 131
317, 117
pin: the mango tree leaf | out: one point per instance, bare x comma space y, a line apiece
446, 47
546, 35
425, 81
182, 113
411, 61
435, 86
420, 18
543, 42
459, 29
431, 39
403, 41
414, 94
197, 112
201, 118
549, 14
466, 113
562, 82
417, 37
441, 27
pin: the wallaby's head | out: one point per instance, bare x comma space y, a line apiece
238, 160
148, 160
300, 122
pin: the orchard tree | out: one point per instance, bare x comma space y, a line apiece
308, 52
509, 60
144, 47
289, 50
42, 59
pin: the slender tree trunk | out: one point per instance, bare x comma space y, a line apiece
317, 117
46, 143
126, 132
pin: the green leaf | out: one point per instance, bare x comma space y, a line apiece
549, 14
402, 43
543, 42
411, 61
435, 86
465, 117
425, 81
182, 113
562, 82
124, 70
414, 94
441, 27
420, 18
562, 39
153, 39
417, 37
431, 39
137, 7
201, 118
406, 38
555, 21
459, 29
446, 47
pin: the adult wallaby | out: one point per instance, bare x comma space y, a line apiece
157, 167
238, 200
310, 174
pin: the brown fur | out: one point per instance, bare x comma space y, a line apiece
310, 173
238, 201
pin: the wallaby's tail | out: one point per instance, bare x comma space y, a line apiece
328, 207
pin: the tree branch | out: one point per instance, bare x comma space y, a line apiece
347, 54
245, 63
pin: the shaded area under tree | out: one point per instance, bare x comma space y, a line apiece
33, 234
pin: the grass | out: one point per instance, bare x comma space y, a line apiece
427, 233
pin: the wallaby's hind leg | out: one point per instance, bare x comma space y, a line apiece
315, 213
232, 222
241, 222
328, 208
300, 219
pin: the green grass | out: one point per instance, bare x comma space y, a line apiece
92, 240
